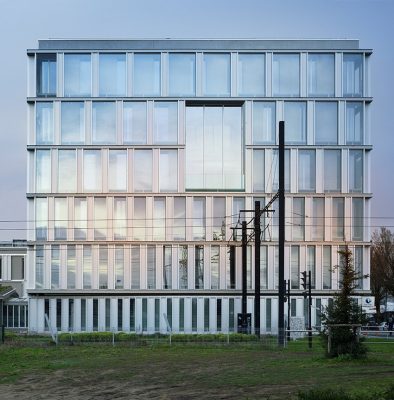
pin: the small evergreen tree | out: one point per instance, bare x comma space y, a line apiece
344, 310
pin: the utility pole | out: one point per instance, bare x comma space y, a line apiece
257, 244
282, 290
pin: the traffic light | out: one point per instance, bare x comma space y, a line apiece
304, 283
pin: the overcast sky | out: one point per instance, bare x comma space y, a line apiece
23, 22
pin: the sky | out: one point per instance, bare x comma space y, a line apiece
24, 22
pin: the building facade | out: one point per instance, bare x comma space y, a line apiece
141, 154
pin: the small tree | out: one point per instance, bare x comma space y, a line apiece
344, 310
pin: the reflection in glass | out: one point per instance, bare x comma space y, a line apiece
159, 221
119, 267
39, 273
168, 170
327, 268
219, 218
103, 267
311, 264
41, 218
251, 74
117, 171
77, 75
100, 218
61, 220
71, 266
298, 218
146, 75
216, 75
67, 171
87, 267
139, 218
295, 122
182, 264
55, 266
286, 75
338, 218
167, 267
43, 171
199, 218
332, 170
317, 220
321, 75
356, 171
258, 171
182, 74
264, 267
275, 172
357, 218
199, 267
92, 170
165, 123
134, 122
264, 122
135, 267
80, 218
46, 74
215, 266
73, 122
120, 218
326, 122
44, 123
179, 226
143, 170
295, 267
306, 170
104, 123
112, 75
354, 123
151, 266
352, 75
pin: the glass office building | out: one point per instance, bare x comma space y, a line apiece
141, 154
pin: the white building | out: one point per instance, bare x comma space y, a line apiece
142, 152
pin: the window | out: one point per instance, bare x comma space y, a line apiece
206, 314
119, 267
357, 219
41, 218
120, 218
146, 75
159, 221
44, 123
143, 170
286, 75
179, 226
194, 314
295, 267
317, 221
87, 267
352, 75
77, 75
354, 123
165, 123
39, 267
46, 75
268, 313
100, 218
327, 267
295, 122
72, 122
139, 218
251, 74
215, 266
67, 171
356, 171
167, 267
199, 218
134, 122
321, 75
338, 218
61, 218
311, 264
298, 218
181, 314
120, 315
326, 122
95, 314
332, 170
103, 267
92, 175
230, 267
135, 267
275, 171
43, 171
168, 170
182, 74
216, 75
218, 315
258, 171
264, 122
112, 75
104, 122
55, 266
264, 267
117, 173
71, 266
182, 265
83, 315
214, 152
17, 268
80, 218
199, 267
151, 266
219, 218
358, 265
306, 171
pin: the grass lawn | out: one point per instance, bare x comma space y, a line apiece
184, 372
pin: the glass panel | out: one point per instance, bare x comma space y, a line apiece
72, 122
61, 220
67, 171
179, 228
286, 75
77, 75
306, 170
258, 171
215, 266
238, 205
46, 74
182, 74
119, 267
356, 171
87, 267
143, 170
216, 75
326, 123
112, 74
165, 123
357, 218
104, 122
139, 218
338, 218
199, 218
311, 264
251, 74
206, 314
332, 170
100, 218
151, 266
120, 218
44, 123
134, 122
199, 267
264, 267
298, 218
167, 267
182, 265
41, 218
135, 267
194, 314
92, 170
317, 221
39, 267
327, 267
17, 268
354, 123
358, 265
219, 218
295, 122
159, 222
43, 171
71, 266
117, 174
80, 218
295, 267
168, 170
321, 75
352, 75
103, 267
146, 75
264, 122
275, 172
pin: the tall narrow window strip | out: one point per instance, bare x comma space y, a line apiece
104, 122
143, 170
298, 218
357, 218
103, 267
92, 171
199, 218
134, 122
44, 123
264, 267
100, 218
317, 220
264, 122
167, 267
46, 75
43, 171
165, 122
151, 267
67, 171
295, 267
352, 74
258, 171
356, 171
72, 129
251, 74
332, 170
120, 218
179, 224
117, 174
139, 218
135, 267
159, 222
183, 267
215, 266
219, 218
326, 123
327, 267
71, 266
87, 267
119, 267
311, 264
295, 117
306, 171
41, 218
80, 218
338, 218
77, 75
199, 267
168, 170
39, 267
61, 218
55, 267
354, 123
